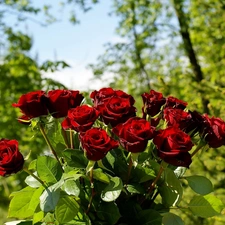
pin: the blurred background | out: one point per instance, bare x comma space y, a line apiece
176, 47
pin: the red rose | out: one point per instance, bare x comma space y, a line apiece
11, 160
115, 106
173, 145
96, 143
134, 134
60, 101
33, 104
116, 110
213, 131
173, 102
80, 118
152, 103
186, 121
101, 96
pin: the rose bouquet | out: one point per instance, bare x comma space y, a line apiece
106, 165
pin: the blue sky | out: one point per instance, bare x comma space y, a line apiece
78, 45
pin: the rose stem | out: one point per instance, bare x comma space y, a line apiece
156, 179
129, 169
65, 137
197, 149
35, 177
151, 188
92, 190
48, 143
71, 139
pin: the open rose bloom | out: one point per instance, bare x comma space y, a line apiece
110, 162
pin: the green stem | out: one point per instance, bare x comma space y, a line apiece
35, 177
200, 145
152, 186
92, 191
129, 169
65, 138
71, 139
48, 142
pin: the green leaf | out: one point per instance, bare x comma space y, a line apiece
75, 158
50, 219
149, 217
101, 176
71, 187
55, 135
180, 171
32, 165
142, 174
50, 197
136, 188
32, 182
112, 190
110, 159
72, 175
172, 219
170, 190
24, 202
66, 210
200, 184
38, 216
206, 206
109, 212
90, 166
48, 169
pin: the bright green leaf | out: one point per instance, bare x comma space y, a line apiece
49, 169
38, 216
99, 175
24, 202
112, 190
66, 210
32, 182
206, 206
71, 187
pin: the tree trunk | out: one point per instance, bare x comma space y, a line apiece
188, 47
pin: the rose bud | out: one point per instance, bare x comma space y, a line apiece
60, 101
172, 102
134, 134
213, 131
173, 145
96, 143
11, 160
152, 103
80, 118
33, 104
